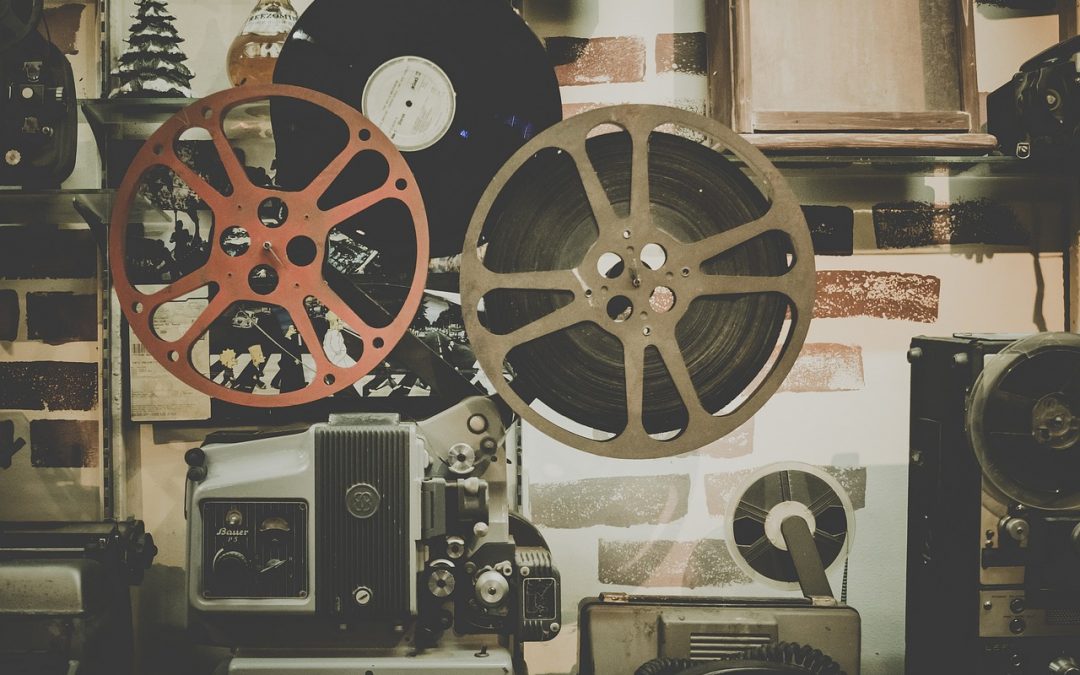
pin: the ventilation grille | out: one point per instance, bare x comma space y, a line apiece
1063, 617
372, 552
718, 646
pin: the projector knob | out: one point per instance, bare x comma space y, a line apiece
231, 569
1064, 665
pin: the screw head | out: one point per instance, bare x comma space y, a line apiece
362, 596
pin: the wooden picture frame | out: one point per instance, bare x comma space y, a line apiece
732, 94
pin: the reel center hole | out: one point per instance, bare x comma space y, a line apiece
662, 300
610, 265
653, 256
235, 241
620, 308
273, 212
301, 251
263, 279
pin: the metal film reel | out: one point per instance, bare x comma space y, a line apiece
1023, 420
644, 326
299, 279
774, 493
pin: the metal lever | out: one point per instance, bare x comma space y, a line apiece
808, 567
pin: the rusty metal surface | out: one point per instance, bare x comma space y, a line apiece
267, 247
681, 274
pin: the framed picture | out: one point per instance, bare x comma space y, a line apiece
834, 73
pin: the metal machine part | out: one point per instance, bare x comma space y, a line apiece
631, 288
278, 266
359, 533
991, 545
621, 632
65, 604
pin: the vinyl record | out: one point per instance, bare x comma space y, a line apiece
458, 85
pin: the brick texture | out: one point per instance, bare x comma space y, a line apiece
619, 502
50, 385
682, 53
826, 367
9, 315
662, 563
884, 295
58, 444
583, 61
720, 488
43, 253
978, 221
61, 317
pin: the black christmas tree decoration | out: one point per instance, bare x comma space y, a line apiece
152, 66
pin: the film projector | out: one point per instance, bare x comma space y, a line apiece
635, 282
994, 508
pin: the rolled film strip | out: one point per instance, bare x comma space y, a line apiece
1023, 420
267, 248
765, 499
633, 293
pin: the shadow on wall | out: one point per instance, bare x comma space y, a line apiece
582, 14
164, 643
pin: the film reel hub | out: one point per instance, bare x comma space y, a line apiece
268, 246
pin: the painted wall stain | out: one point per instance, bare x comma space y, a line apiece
44, 253
582, 61
48, 385
682, 53
825, 367
664, 563
9, 445
618, 502
61, 25
59, 444
832, 229
57, 318
976, 221
883, 295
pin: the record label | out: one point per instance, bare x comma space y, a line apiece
412, 101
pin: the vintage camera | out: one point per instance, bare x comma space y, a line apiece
1038, 111
382, 537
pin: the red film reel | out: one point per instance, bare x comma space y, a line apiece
228, 272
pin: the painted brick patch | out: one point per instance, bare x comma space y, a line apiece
977, 221
884, 295
832, 229
9, 315
685, 564
826, 367
582, 61
720, 488
619, 502
61, 25
682, 53
61, 317
43, 253
51, 385
738, 443
59, 444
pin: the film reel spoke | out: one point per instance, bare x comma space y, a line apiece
302, 320
217, 202
190, 283
357, 205
234, 169
776, 219
554, 280
559, 320
602, 209
634, 367
676, 366
333, 302
640, 194
219, 305
719, 284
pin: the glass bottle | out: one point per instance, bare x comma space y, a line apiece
255, 50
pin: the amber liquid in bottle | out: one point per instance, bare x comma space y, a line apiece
254, 53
